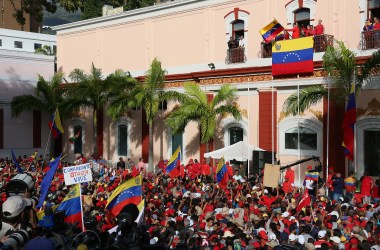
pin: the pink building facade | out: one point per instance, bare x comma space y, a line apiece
187, 36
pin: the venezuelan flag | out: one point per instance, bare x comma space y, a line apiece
270, 31
55, 125
312, 176
128, 192
71, 206
173, 166
293, 56
221, 174
349, 124
350, 181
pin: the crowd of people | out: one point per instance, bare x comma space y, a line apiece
192, 211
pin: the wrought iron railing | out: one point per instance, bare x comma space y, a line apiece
370, 39
321, 43
236, 55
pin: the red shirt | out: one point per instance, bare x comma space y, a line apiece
319, 30
376, 26
296, 32
366, 186
206, 169
290, 175
287, 187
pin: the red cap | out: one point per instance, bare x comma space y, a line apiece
263, 235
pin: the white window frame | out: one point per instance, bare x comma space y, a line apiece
361, 126
294, 122
124, 120
294, 6
230, 123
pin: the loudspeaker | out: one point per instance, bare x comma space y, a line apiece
259, 158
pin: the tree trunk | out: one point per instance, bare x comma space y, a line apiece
95, 130
151, 163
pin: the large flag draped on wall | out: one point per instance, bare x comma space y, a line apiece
71, 206
221, 174
127, 193
46, 182
173, 166
55, 125
270, 31
293, 56
349, 124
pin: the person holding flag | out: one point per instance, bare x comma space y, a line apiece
174, 164
222, 174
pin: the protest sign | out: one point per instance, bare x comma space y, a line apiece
271, 175
77, 174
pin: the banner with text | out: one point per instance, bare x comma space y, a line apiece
77, 174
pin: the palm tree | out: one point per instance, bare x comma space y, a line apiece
341, 67
148, 95
46, 50
48, 97
195, 106
119, 92
89, 90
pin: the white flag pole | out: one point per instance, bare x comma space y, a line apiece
81, 207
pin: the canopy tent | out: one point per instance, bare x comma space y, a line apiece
239, 151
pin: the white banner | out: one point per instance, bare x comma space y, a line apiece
77, 174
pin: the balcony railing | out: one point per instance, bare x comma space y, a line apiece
370, 39
321, 43
236, 55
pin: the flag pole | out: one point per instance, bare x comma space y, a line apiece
298, 122
81, 207
50, 134
328, 132
272, 115
355, 152
249, 122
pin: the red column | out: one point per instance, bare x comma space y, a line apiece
265, 120
145, 137
36, 128
336, 151
100, 131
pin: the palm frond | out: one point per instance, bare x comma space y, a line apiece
229, 109
307, 97
225, 94
24, 103
193, 90
208, 125
370, 68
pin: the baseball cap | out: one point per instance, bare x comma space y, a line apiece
335, 239
292, 237
13, 206
321, 234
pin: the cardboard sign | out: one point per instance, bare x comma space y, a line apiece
271, 175
77, 174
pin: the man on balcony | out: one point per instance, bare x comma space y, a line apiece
320, 43
295, 31
376, 28
241, 42
319, 29
232, 43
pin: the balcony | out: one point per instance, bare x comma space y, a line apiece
370, 40
236, 55
321, 43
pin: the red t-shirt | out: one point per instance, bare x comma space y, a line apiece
206, 169
376, 26
319, 29
290, 175
366, 186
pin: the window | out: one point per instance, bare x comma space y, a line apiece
122, 140
18, 45
37, 46
163, 105
373, 9
236, 135
237, 29
372, 151
176, 142
302, 17
78, 141
308, 139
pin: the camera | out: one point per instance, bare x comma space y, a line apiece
15, 240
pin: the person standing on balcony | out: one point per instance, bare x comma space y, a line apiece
241, 42
231, 43
295, 31
376, 28
368, 25
309, 31
376, 25
319, 29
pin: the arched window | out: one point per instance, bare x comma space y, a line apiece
310, 136
237, 29
308, 139
78, 142
122, 140
373, 9
236, 134
302, 17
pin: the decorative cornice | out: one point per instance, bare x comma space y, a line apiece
373, 109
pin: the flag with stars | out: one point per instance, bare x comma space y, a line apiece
71, 206
221, 174
173, 166
127, 193
293, 56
